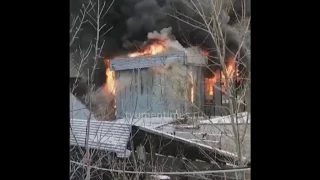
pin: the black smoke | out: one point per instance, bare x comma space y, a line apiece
131, 20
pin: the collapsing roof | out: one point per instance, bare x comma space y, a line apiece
168, 144
111, 136
117, 137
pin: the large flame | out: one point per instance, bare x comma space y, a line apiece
209, 82
110, 82
191, 87
231, 72
231, 68
156, 47
150, 49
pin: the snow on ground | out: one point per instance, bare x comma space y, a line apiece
78, 110
160, 177
242, 118
152, 122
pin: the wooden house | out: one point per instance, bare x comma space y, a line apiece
167, 83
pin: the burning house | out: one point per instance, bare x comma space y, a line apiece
131, 21
155, 84
146, 68
164, 77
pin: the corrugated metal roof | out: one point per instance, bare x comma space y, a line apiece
103, 135
109, 136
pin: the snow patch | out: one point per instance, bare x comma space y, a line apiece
242, 118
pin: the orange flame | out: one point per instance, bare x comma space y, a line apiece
231, 71
209, 82
204, 51
156, 47
110, 81
191, 87
150, 49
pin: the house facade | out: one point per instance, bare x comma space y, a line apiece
166, 83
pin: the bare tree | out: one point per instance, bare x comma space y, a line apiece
82, 57
212, 21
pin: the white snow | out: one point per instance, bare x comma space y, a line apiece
191, 142
152, 122
77, 109
242, 118
186, 126
160, 177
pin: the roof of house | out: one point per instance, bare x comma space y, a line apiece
111, 136
114, 136
78, 110
146, 61
168, 144
214, 132
105, 135
102, 135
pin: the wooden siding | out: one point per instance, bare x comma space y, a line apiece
144, 93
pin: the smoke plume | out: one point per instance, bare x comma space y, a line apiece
132, 20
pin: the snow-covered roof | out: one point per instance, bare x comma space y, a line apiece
241, 118
214, 132
106, 135
111, 136
151, 122
190, 142
78, 110
146, 61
